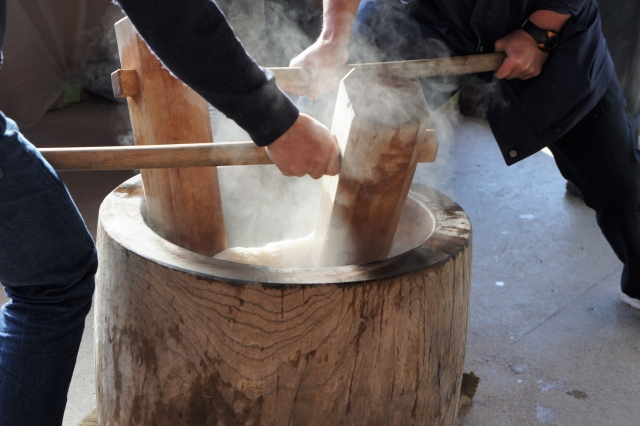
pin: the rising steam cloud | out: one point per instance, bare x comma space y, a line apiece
260, 205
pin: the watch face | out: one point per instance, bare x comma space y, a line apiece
550, 43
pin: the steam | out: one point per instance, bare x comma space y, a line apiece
125, 139
260, 205
101, 52
443, 121
273, 32
491, 93
290, 30
121, 126
247, 18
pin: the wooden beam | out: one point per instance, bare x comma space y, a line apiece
291, 76
124, 83
183, 205
379, 121
421, 68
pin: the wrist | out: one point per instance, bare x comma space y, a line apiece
545, 39
337, 30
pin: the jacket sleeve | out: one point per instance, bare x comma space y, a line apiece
194, 41
563, 6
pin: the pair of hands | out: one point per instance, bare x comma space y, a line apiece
524, 61
308, 147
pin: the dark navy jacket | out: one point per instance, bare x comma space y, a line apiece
526, 116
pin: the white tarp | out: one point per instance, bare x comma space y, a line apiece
47, 47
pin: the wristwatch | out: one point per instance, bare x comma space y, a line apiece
547, 39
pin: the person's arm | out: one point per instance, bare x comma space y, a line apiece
330, 50
194, 41
524, 58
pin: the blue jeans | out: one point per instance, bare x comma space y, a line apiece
47, 266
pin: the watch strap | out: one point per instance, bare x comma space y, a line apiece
547, 39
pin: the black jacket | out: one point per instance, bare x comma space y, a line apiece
526, 116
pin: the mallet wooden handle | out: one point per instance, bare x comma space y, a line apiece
301, 77
156, 156
125, 82
181, 155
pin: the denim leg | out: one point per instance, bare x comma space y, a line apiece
47, 266
599, 156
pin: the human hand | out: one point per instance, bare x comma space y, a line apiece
322, 58
306, 148
524, 58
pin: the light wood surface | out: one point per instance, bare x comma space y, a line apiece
379, 121
184, 339
301, 77
454, 65
297, 77
156, 156
291, 76
182, 205
181, 155
124, 83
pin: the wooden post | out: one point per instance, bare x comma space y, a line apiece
380, 121
183, 205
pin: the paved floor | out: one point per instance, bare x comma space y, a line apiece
548, 337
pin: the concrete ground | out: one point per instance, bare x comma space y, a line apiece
548, 335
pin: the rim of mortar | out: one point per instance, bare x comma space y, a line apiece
121, 219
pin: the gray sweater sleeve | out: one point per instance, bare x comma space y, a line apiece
194, 41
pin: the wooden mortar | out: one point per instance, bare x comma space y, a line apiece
185, 339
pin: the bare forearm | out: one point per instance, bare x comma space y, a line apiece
338, 18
